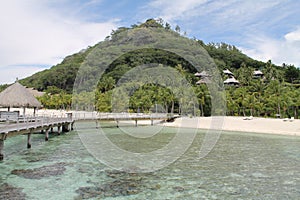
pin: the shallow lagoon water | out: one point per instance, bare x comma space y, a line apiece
241, 166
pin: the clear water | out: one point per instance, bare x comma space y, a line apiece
241, 166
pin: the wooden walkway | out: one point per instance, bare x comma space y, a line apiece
78, 116
46, 124
31, 125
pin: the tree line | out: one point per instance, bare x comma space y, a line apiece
276, 94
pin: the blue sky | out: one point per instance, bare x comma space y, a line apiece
38, 34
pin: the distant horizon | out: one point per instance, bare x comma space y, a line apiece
38, 35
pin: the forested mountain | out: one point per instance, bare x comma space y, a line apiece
266, 97
63, 75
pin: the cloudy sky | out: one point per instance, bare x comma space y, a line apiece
36, 34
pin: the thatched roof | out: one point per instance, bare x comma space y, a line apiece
202, 74
35, 93
203, 81
231, 80
227, 72
17, 95
258, 73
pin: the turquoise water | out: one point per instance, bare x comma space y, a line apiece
241, 166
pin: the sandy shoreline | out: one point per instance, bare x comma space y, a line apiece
226, 123
255, 125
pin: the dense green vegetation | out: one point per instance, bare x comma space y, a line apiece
263, 97
2, 87
276, 94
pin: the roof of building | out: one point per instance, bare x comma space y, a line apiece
227, 71
17, 95
257, 72
202, 74
231, 80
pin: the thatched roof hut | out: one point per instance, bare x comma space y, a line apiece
18, 96
231, 81
258, 74
203, 81
202, 74
227, 72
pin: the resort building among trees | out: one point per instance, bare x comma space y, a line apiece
258, 74
231, 81
204, 77
228, 72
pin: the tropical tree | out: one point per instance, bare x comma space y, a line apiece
251, 102
245, 74
291, 73
241, 95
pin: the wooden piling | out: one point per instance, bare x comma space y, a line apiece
72, 126
136, 122
47, 134
65, 127
1, 149
29, 139
58, 129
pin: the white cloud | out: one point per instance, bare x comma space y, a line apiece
261, 48
262, 29
286, 50
293, 36
9, 74
175, 9
32, 33
230, 12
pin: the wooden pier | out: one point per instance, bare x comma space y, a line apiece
46, 125
117, 117
32, 125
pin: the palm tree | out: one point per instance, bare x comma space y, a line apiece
258, 88
231, 102
244, 74
251, 102
240, 95
276, 92
202, 94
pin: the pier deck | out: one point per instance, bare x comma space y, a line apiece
31, 125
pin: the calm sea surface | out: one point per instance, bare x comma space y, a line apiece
241, 166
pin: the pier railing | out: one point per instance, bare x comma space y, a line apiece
29, 122
16, 125
117, 116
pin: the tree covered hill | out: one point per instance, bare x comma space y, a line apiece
62, 76
277, 93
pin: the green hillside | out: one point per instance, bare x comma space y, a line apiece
276, 94
63, 75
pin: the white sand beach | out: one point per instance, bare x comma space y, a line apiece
255, 125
